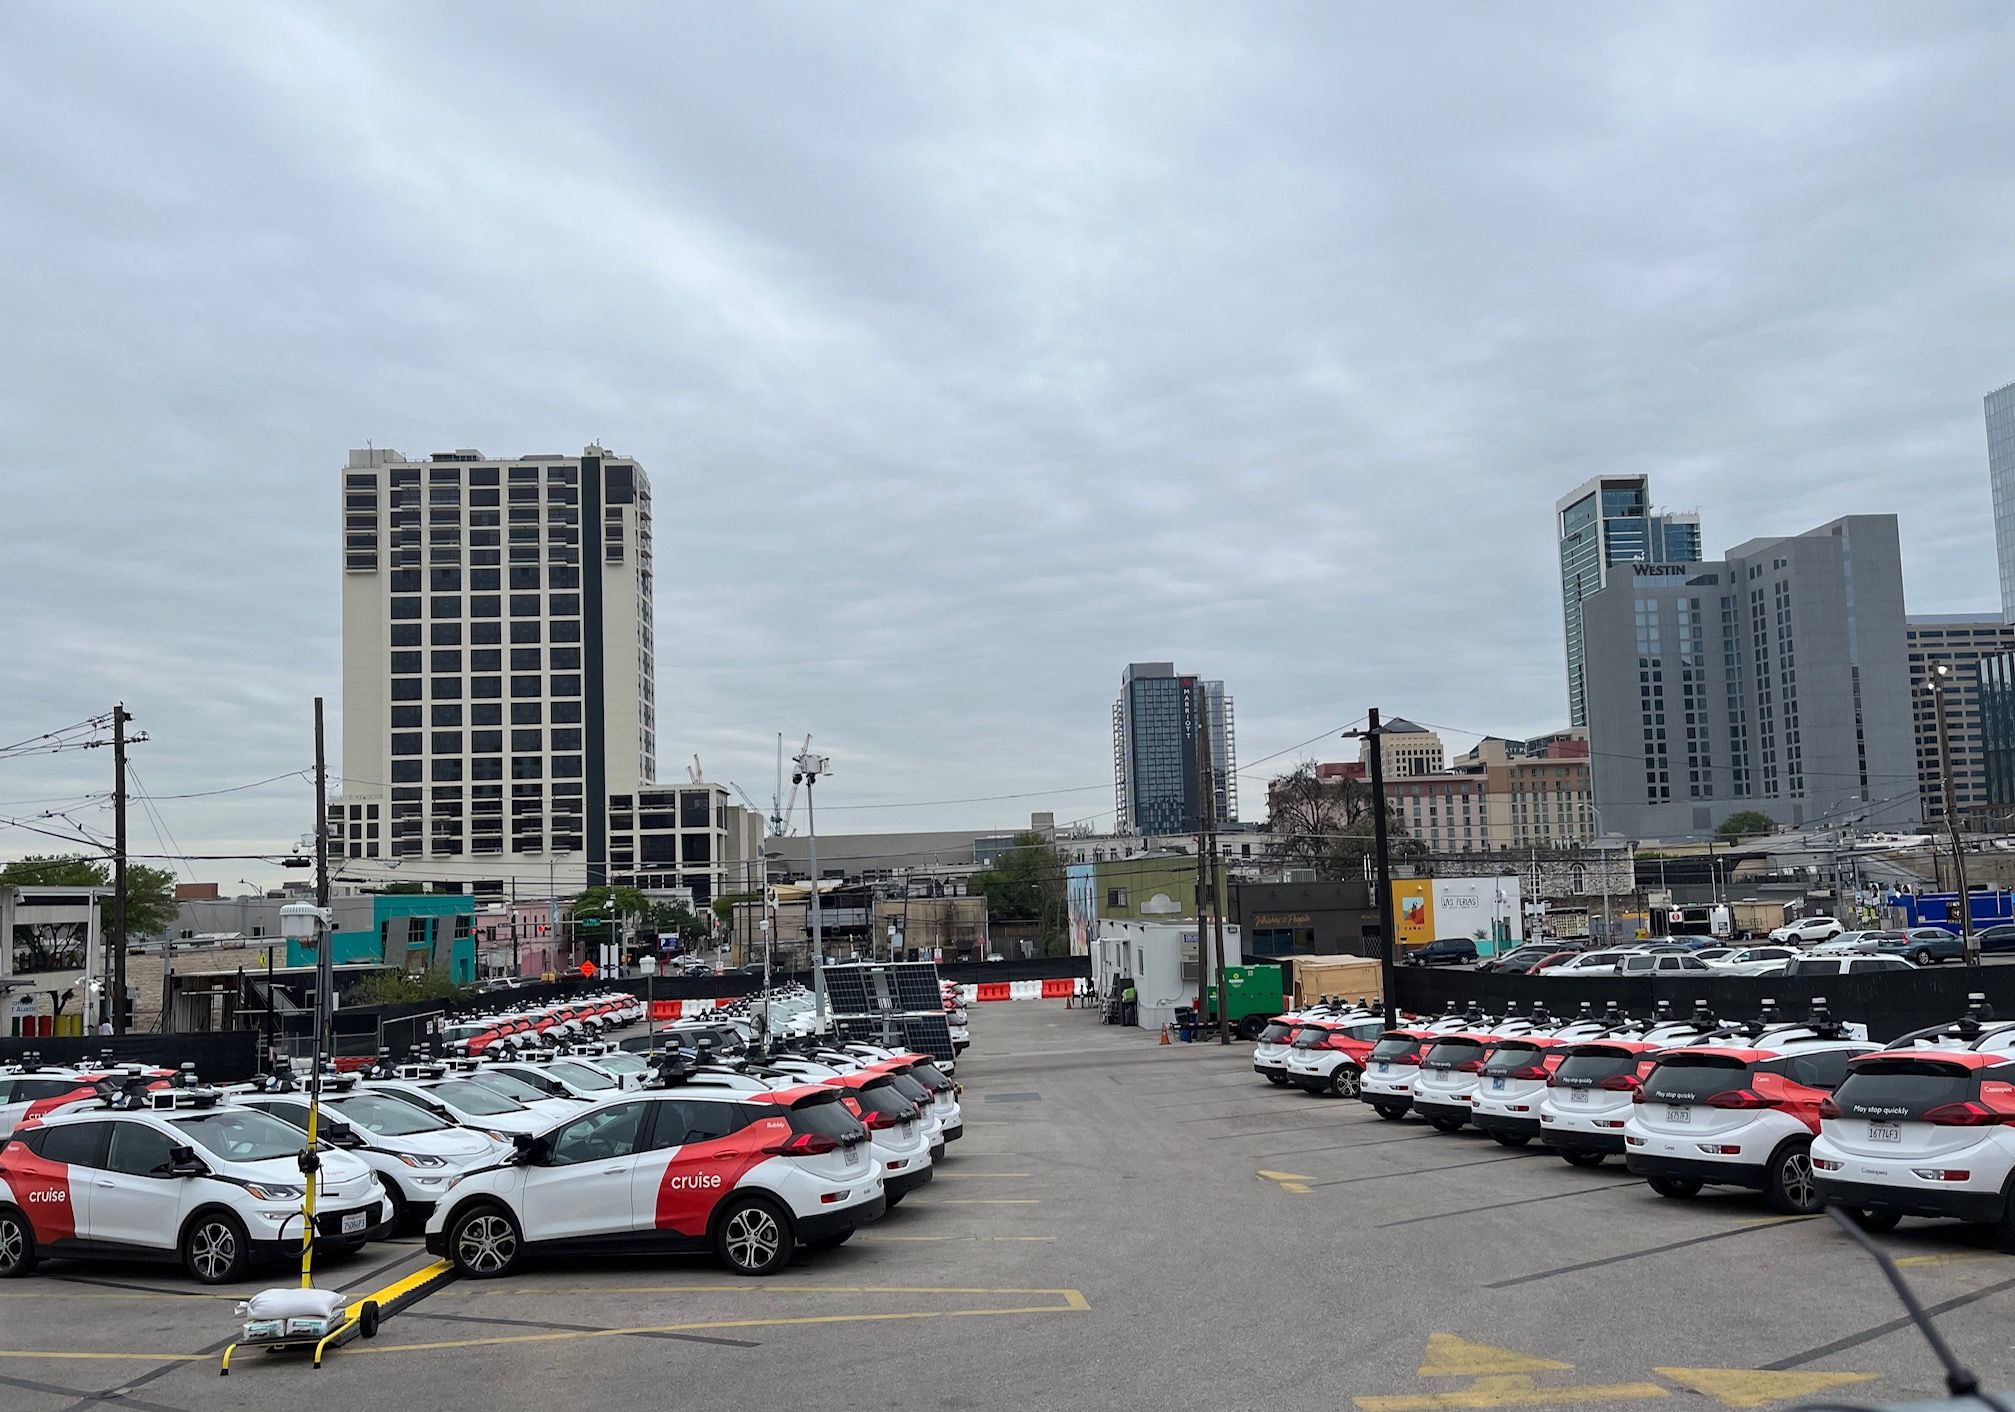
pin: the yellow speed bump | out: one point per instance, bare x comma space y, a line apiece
1755, 1387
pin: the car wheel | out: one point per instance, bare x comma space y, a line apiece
1344, 1082
1388, 1112
2005, 1232
400, 1211
484, 1242
1277, 1080
1582, 1159
1249, 1028
1792, 1189
1675, 1187
17, 1244
1511, 1139
753, 1237
1877, 1221
830, 1242
213, 1248
1446, 1125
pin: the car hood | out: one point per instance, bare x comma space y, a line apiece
451, 1143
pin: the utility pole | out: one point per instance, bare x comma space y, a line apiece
1207, 805
1938, 680
516, 968
119, 719
1388, 972
321, 817
1202, 884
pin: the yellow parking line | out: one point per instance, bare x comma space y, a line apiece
1074, 1303
997, 1201
1512, 1390
744, 1288
1952, 1257
978, 1176
143, 1357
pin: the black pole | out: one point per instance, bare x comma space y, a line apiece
1388, 973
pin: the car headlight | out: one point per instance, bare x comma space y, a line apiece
499, 1136
420, 1159
267, 1192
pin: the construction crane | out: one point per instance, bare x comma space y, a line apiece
694, 773
754, 808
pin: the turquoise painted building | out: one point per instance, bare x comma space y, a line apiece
413, 931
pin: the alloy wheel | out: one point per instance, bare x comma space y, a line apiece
486, 1244
213, 1249
13, 1243
1795, 1177
753, 1238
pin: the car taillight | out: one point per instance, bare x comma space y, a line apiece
1740, 1098
1967, 1114
1636, 1094
1469, 1066
1828, 1108
1620, 1083
803, 1145
1528, 1071
878, 1120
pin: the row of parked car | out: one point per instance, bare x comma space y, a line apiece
1806, 1111
699, 1143
1853, 953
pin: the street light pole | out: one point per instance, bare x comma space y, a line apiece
1938, 680
1388, 973
809, 768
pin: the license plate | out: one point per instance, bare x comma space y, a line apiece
353, 1223
1678, 1113
1885, 1132
1577, 1095
1496, 1085
1382, 1068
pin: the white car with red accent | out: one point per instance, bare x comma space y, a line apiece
175, 1174
751, 1176
1924, 1132
31, 1091
1743, 1113
1512, 1085
1390, 1069
1588, 1098
898, 1129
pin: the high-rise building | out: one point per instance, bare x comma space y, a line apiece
1775, 679
1156, 750
1602, 523
498, 671
2000, 409
1962, 640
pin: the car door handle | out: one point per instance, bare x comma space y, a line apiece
725, 1156
109, 1186
616, 1170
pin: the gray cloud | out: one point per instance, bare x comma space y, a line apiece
973, 353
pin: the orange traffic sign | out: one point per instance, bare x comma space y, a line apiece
588, 969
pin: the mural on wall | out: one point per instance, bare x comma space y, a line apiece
1489, 911
1081, 898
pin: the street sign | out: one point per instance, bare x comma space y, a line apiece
588, 969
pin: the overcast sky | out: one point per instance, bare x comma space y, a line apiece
973, 351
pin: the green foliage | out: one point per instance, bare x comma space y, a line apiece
1026, 885
402, 889
150, 907
666, 918
392, 987
724, 905
593, 905
1750, 823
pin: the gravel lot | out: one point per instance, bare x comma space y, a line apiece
1124, 1226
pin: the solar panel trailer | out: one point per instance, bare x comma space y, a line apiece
896, 1004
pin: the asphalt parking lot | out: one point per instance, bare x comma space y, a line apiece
1125, 1225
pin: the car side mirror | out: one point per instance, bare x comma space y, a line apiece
183, 1162
532, 1149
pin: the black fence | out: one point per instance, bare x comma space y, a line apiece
220, 1056
1890, 1003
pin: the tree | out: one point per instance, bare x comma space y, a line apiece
676, 919
150, 907
591, 908
1749, 823
724, 905
393, 987
1025, 884
1327, 824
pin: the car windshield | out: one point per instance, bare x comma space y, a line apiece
885, 1098
1588, 1067
387, 1117
241, 1134
469, 1097
1811, 966
580, 1076
1694, 1078
1450, 1052
1508, 1057
1310, 1037
508, 1085
1395, 1047
622, 1063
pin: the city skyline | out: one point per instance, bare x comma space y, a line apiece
941, 430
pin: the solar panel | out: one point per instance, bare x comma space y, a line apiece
927, 1034
847, 991
916, 986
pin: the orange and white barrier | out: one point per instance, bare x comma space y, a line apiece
990, 991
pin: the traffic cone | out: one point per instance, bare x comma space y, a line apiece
1164, 1034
